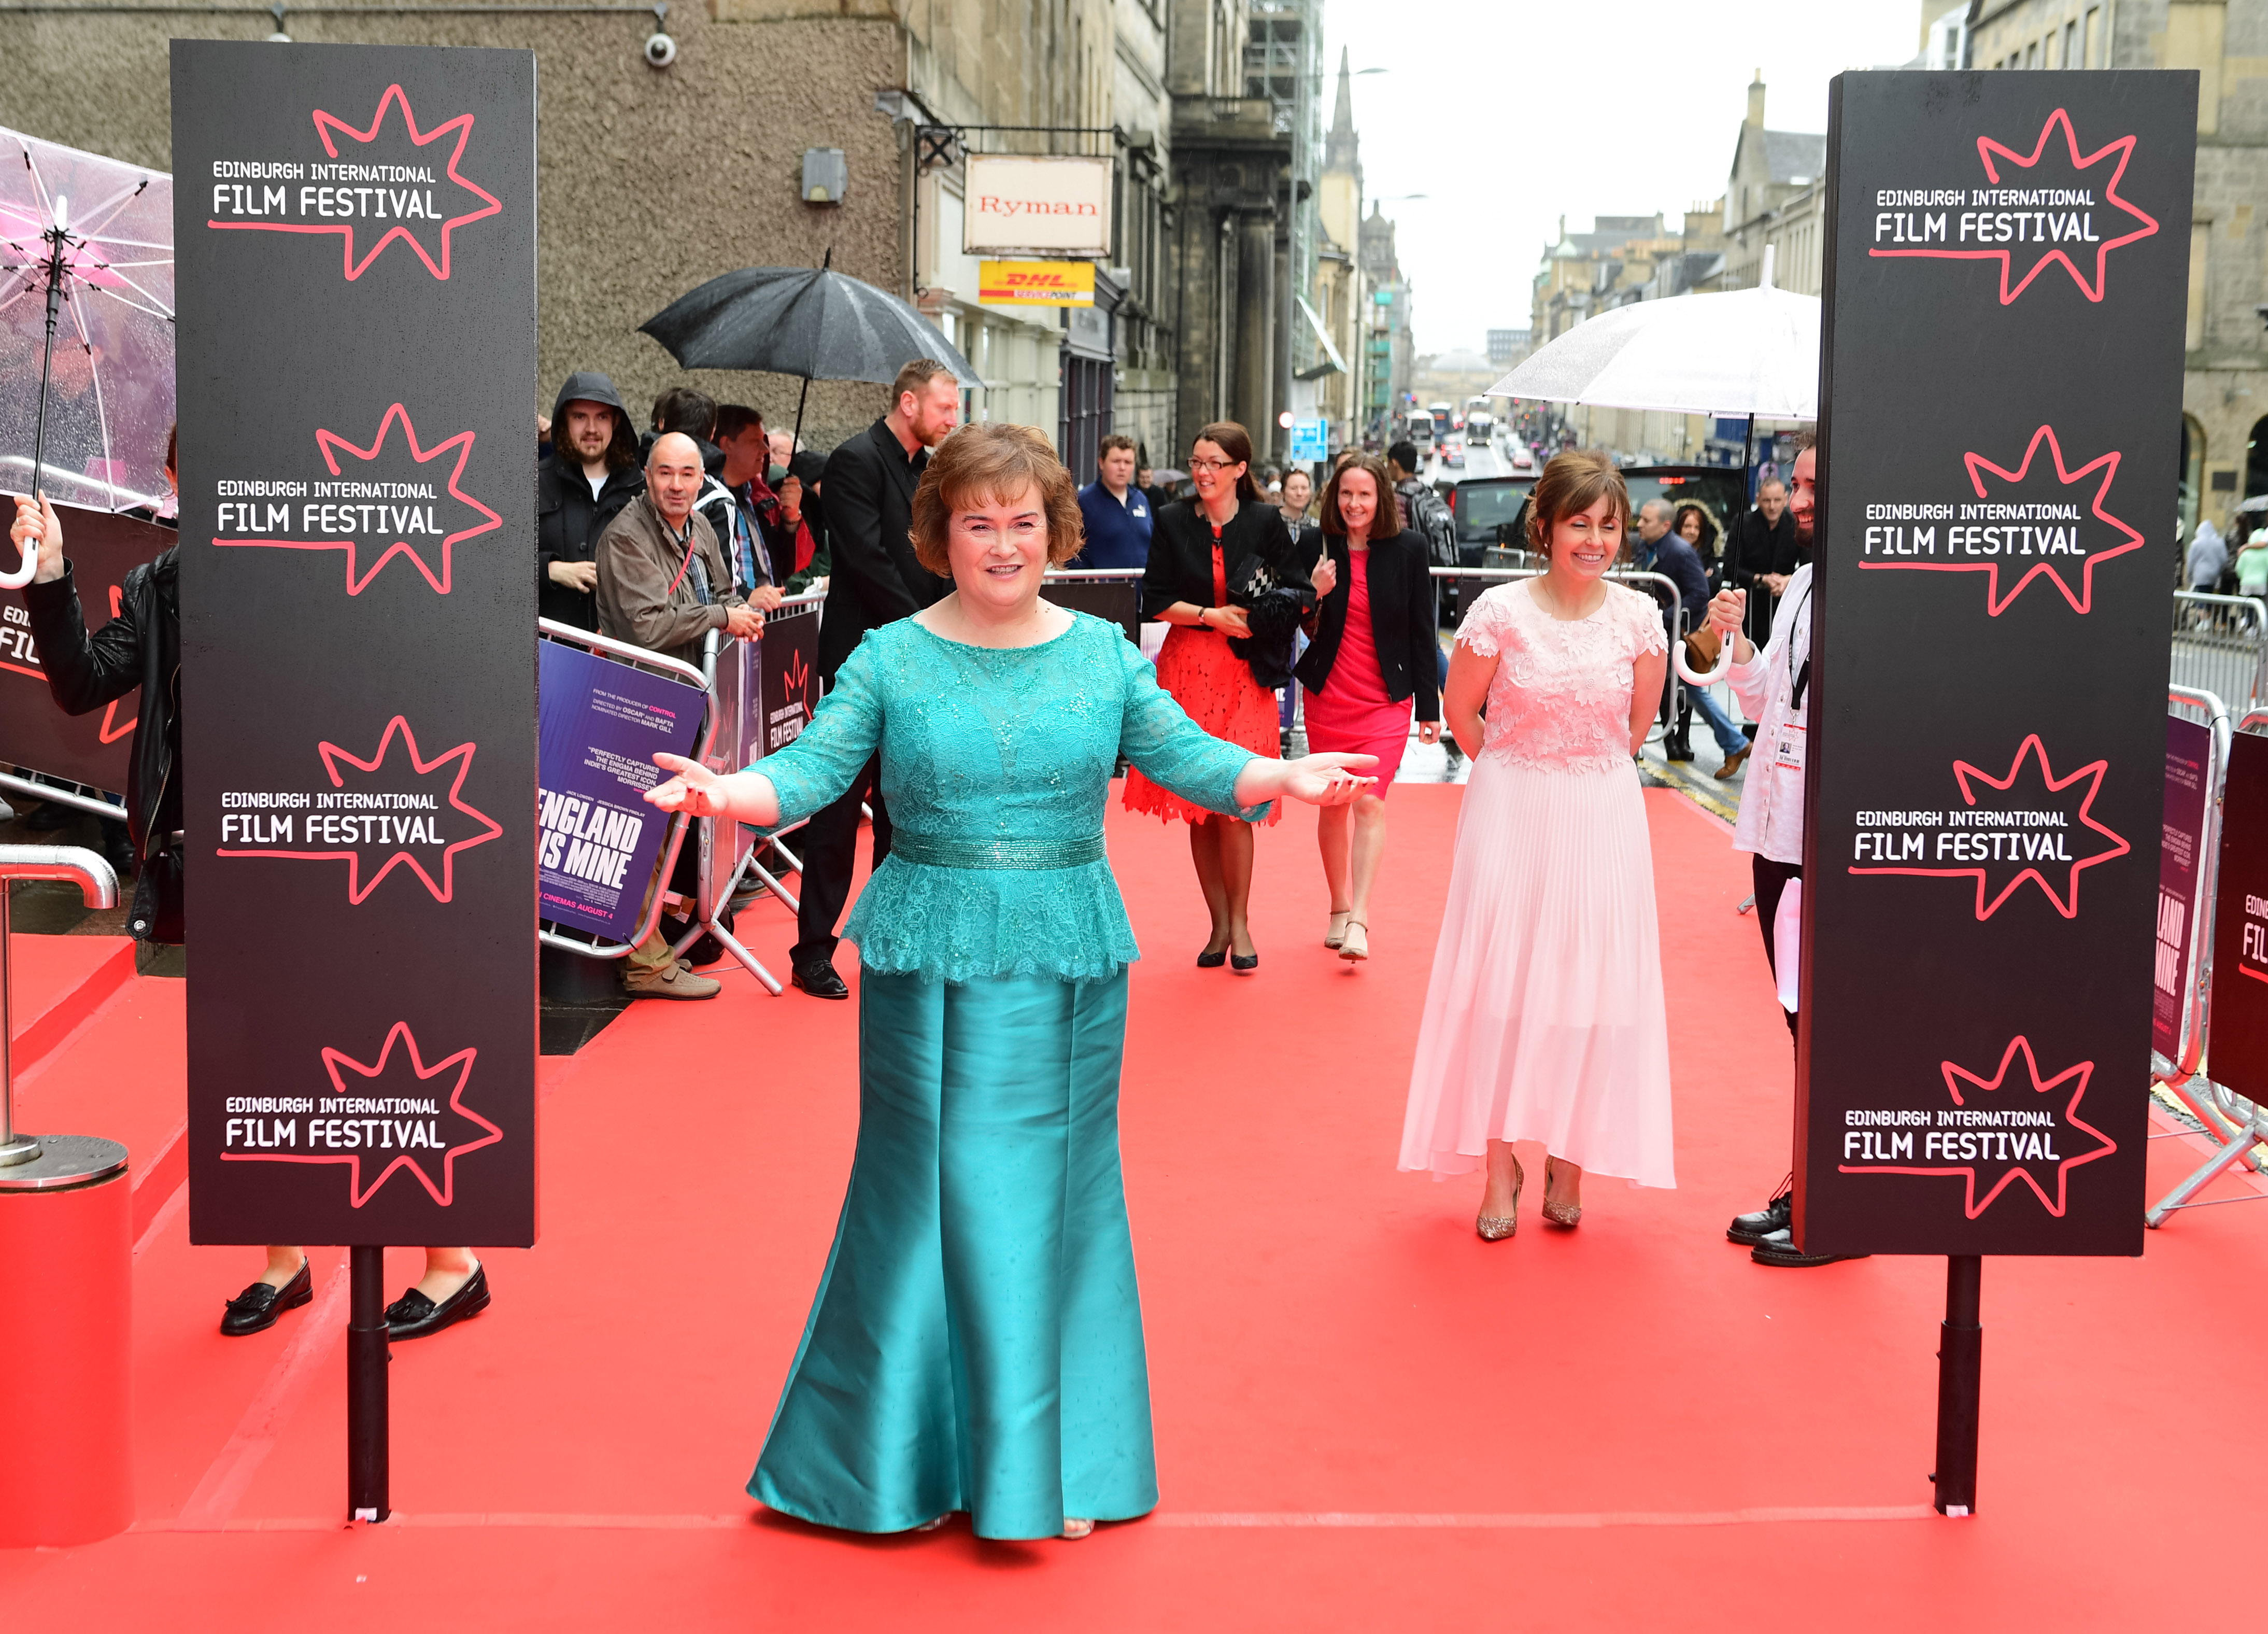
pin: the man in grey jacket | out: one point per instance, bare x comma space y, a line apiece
663, 586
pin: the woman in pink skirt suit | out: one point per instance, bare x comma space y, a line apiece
1371, 655
1544, 1021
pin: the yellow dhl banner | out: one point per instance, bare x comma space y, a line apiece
1035, 282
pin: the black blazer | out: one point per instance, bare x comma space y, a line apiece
1402, 622
1180, 552
874, 577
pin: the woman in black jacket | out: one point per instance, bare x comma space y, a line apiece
1202, 552
1373, 650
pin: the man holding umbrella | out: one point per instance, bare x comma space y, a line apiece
870, 484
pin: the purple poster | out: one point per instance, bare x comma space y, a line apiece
597, 839
2188, 756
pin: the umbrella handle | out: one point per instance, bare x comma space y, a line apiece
1707, 678
16, 579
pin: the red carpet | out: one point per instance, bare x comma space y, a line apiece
1366, 1418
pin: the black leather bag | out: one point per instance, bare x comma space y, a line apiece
1274, 611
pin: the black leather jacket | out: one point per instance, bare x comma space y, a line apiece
142, 646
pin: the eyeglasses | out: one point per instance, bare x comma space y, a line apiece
1213, 465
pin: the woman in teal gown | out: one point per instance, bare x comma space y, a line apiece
977, 1340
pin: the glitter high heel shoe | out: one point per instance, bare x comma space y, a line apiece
1562, 1214
1494, 1228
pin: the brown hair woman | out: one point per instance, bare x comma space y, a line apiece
1544, 1020
1199, 548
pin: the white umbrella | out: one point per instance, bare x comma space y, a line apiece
1751, 352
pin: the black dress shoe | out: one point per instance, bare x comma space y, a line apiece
259, 1305
1749, 1230
817, 978
1780, 1249
413, 1316
1244, 961
1210, 960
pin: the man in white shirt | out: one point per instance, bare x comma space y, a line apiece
1774, 687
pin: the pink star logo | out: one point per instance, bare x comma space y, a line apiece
1995, 603
2024, 1150
377, 1133
399, 831
415, 198
2032, 847
393, 518
2069, 222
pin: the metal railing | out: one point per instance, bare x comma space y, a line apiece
2219, 642
55, 1162
1462, 576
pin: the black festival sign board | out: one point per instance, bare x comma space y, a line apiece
91, 749
2240, 947
355, 234
2000, 386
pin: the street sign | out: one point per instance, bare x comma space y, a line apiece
2001, 376
1035, 282
359, 640
1311, 439
1010, 201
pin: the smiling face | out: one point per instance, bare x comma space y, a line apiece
1214, 473
1771, 499
1584, 543
590, 429
1689, 527
672, 476
1358, 501
998, 549
1804, 503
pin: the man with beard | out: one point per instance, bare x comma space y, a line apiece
1774, 687
592, 473
875, 578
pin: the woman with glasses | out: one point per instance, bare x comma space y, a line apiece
1197, 549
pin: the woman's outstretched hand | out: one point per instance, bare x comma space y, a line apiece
1327, 780
695, 790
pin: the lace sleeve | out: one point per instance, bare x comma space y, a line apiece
844, 731
1485, 623
1173, 750
1644, 615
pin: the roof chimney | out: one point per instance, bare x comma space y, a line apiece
1757, 101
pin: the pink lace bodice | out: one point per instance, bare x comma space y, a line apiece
1560, 699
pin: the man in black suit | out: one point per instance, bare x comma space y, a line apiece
870, 484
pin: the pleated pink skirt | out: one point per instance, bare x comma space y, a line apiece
1544, 1018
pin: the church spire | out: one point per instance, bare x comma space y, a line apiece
1340, 147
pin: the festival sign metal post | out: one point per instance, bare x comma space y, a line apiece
355, 234
2001, 361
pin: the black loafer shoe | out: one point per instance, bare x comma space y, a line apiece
1749, 1230
817, 978
413, 1316
1780, 1249
1245, 962
259, 1305
1211, 960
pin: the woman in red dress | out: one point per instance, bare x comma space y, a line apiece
1374, 649
1196, 551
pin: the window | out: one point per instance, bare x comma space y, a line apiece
2032, 54
2071, 57
2094, 58
2200, 243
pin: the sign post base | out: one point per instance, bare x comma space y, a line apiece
1960, 1358
367, 1433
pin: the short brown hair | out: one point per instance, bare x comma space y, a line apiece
1389, 521
914, 376
1572, 484
993, 461
1113, 443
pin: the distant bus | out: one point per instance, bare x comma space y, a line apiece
1445, 418
1480, 424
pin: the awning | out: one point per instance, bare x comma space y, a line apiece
1332, 363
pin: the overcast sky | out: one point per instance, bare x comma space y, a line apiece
1512, 113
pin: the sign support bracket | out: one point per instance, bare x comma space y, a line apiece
368, 1437
1960, 1358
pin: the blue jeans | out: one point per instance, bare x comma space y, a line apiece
1728, 736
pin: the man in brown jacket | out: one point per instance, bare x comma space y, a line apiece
663, 586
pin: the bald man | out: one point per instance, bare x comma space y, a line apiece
662, 580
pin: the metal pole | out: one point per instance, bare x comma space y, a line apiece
1960, 1357
366, 1403
14, 1147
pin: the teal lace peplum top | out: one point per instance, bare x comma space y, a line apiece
996, 764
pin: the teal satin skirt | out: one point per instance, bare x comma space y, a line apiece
976, 1342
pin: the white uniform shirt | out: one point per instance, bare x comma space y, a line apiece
1771, 798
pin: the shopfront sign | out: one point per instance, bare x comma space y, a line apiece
1014, 203
1035, 282
2007, 267
355, 228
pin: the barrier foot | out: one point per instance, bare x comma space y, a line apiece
731, 945
2227, 1158
772, 883
367, 1437
1960, 1358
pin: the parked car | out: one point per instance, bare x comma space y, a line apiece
1488, 510
1522, 459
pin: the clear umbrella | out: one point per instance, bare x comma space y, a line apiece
1743, 354
86, 325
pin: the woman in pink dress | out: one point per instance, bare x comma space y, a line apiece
1544, 1021
1371, 651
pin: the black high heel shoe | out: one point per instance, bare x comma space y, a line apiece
1210, 960
1244, 963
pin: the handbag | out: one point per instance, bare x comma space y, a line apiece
1273, 612
1702, 648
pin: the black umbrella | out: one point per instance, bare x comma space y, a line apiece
808, 321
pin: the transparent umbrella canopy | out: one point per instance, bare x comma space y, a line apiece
90, 240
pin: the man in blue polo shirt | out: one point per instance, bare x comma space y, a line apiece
1118, 514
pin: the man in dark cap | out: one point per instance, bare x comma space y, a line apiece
592, 472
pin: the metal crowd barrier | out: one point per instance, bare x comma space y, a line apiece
1464, 576
2219, 644
75, 795
55, 1162
2239, 1125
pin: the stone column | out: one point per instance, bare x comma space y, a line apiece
1253, 400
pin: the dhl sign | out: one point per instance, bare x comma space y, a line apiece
1035, 282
